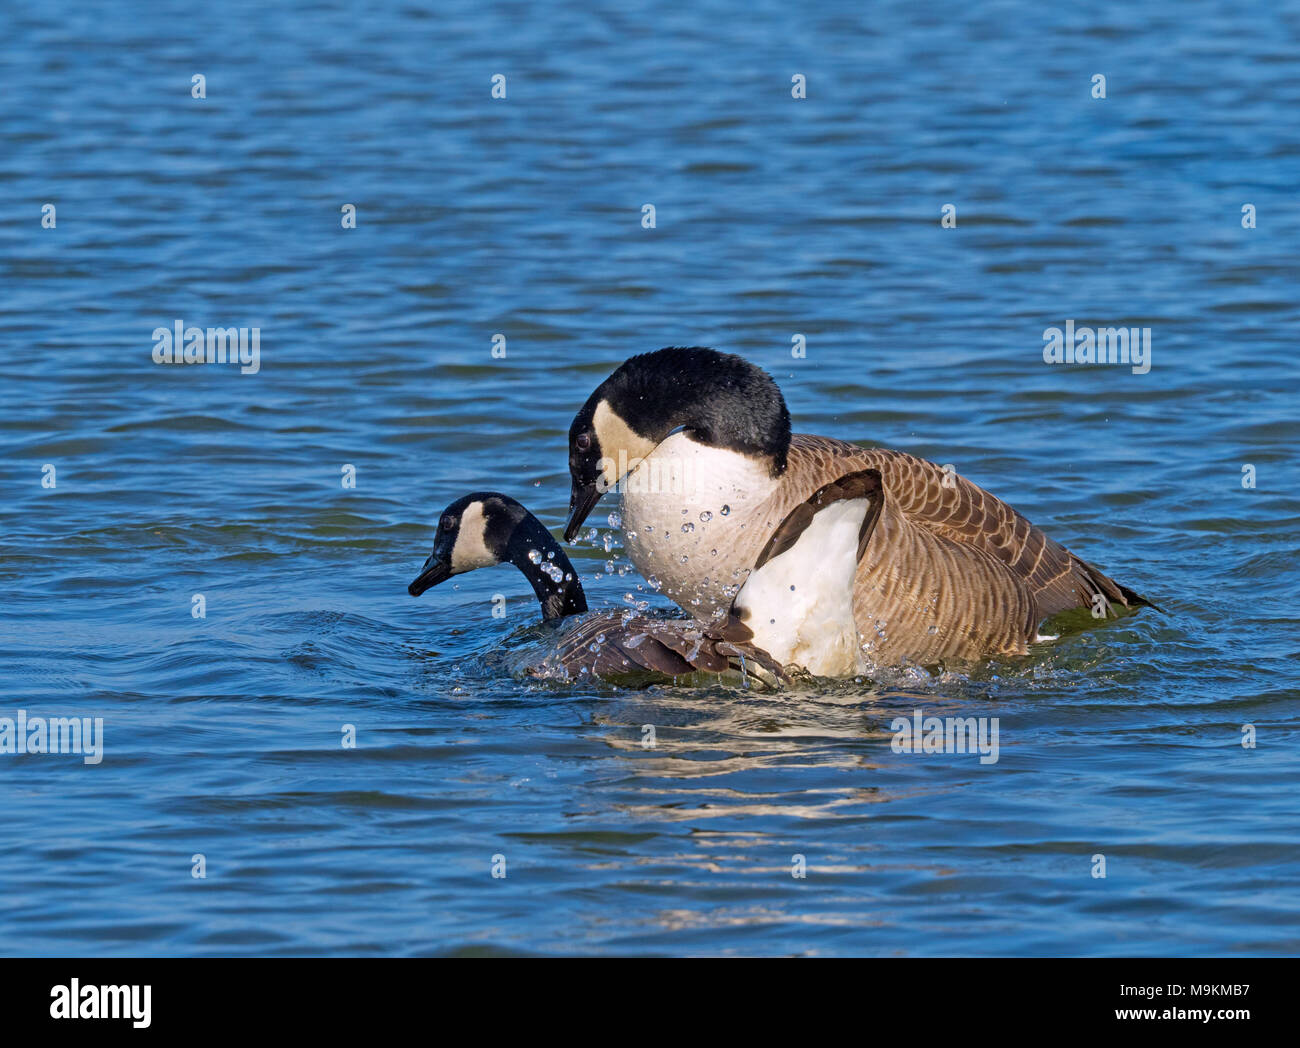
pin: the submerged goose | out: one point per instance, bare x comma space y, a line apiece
721, 512
485, 528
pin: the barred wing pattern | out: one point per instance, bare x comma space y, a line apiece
949, 570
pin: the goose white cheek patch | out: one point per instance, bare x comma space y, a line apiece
800, 604
471, 550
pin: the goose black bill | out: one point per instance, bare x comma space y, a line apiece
582, 500
435, 570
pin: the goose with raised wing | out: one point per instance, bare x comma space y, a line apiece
485, 528
722, 512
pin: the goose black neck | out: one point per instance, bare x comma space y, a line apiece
558, 597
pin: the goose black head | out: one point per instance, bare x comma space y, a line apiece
485, 528
461, 542
717, 399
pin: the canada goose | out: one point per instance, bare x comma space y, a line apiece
485, 528
699, 444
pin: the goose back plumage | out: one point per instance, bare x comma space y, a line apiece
612, 645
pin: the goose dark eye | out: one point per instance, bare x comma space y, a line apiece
447, 523
582, 441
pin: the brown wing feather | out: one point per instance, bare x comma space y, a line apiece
860, 484
949, 568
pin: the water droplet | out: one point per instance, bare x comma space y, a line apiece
550, 555
592, 534
654, 583
725, 511
713, 553
687, 528
609, 566
534, 556
615, 521
706, 516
